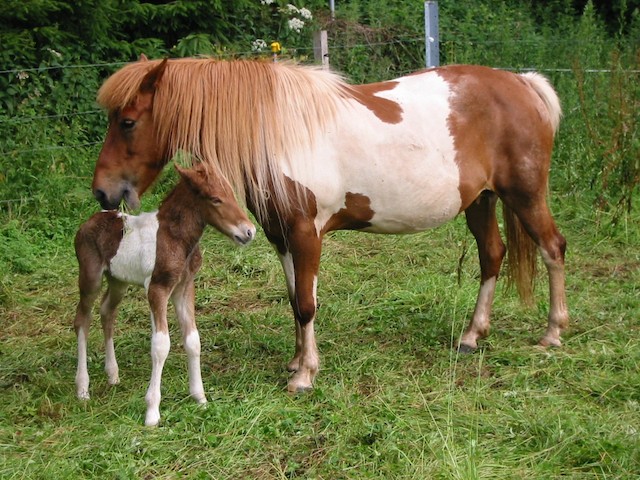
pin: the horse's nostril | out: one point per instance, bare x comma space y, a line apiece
99, 194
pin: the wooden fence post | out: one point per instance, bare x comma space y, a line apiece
321, 48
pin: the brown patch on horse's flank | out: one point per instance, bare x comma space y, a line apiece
494, 119
386, 110
355, 215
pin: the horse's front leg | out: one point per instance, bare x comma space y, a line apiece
303, 255
160, 345
286, 259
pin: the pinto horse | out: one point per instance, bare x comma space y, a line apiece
311, 153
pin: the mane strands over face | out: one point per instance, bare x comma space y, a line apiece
247, 119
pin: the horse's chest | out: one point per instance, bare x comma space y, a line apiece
135, 260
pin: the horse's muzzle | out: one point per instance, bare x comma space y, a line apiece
129, 196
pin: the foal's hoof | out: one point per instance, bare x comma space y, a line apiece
83, 395
465, 349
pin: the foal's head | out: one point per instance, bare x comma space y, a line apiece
215, 203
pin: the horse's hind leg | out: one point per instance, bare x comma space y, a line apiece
183, 298
535, 216
481, 220
108, 311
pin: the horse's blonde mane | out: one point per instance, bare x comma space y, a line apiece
245, 118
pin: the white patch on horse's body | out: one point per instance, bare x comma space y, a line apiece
136, 255
409, 174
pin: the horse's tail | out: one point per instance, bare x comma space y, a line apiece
521, 256
545, 91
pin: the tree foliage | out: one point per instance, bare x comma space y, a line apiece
56, 53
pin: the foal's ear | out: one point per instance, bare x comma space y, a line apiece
196, 179
152, 78
143, 58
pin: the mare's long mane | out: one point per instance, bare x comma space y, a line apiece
246, 119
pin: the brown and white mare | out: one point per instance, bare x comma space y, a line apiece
157, 250
312, 153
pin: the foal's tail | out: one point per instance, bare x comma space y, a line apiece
521, 256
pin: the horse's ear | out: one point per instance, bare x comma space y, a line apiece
143, 58
152, 78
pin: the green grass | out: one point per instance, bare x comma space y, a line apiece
392, 399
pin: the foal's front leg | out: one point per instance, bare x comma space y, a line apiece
183, 299
160, 345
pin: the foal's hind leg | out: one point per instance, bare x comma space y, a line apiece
183, 298
535, 216
481, 220
89, 281
108, 313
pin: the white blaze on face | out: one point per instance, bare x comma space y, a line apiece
136, 255
407, 169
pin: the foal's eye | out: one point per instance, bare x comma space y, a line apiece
215, 201
127, 124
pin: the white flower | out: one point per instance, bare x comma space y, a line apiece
291, 9
305, 13
22, 75
296, 24
266, 2
54, 53
258, 45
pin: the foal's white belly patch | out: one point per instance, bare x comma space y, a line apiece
136, 256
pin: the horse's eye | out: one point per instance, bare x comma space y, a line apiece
127, 124
215, 200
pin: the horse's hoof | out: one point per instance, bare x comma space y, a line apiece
465, 349
550, 342
302, 389
297, 388
84, 396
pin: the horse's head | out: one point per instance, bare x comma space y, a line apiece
131, 158
217, 205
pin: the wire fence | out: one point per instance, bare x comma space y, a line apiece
23, 119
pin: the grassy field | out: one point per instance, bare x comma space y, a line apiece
392, 400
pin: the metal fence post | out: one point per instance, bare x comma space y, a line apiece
432, 35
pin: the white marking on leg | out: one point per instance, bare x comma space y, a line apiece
480, 322
82, 374
192, 347
309, 359
160, 345
290, 275
558, 311
110, 362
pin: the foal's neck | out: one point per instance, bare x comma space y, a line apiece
179, 214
